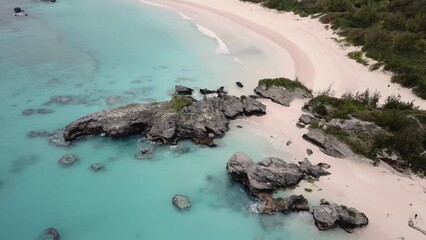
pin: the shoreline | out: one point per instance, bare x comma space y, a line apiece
320, 63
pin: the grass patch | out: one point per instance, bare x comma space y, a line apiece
283, 82
179, 102
358, 57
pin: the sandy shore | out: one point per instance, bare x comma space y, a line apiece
303, 48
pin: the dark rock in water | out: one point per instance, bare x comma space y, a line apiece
144, 154
39, 133
309, 151
329, 144
239, 126
181, 202
254, 96
67, 160
294, 203
270, 174
96, 167
28, 112
18, 10
281, 95
206, 91
239, 84
182, 90
289, 143
52, 233
330, 215
44, 111
167, 122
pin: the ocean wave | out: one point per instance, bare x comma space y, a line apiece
222, 49
240, 62
154, 4
184, 16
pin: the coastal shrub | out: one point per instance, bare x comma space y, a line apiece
179, 102
391, 32
394, 102
283, 82
358, 57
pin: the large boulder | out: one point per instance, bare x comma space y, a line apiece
328, 144
330, 215
182, 90
232, 106
181, 202
270, 174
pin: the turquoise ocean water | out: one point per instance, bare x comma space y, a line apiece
122, 51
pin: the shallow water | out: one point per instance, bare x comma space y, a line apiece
105, 54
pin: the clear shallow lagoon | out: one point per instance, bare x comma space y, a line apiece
94, 50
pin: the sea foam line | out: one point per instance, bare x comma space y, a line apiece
240, 62
222, 49
154, 4
184, 16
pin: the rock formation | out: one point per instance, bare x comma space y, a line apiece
282, 91
180, 118
181, 202
271, 173
330, 215
328, 144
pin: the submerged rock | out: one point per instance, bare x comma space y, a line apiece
182, 90
181, 202
239, 84
39, 133
18, 10
206, 91
52, 233
67, 160
294, 203
167, 122
28, 112
96, 167
330, 215
44, 111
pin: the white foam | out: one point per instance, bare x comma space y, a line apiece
222, 49
184, 16
154, 4
240, 62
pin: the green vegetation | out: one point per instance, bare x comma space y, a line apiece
403, 125
357, 56
392, 32
283, 82
179, 102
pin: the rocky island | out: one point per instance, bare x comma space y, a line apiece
182, 117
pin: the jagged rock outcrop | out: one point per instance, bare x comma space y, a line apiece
181, 202
330, 215
270, 174
328, 144
282, 95
167, 122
